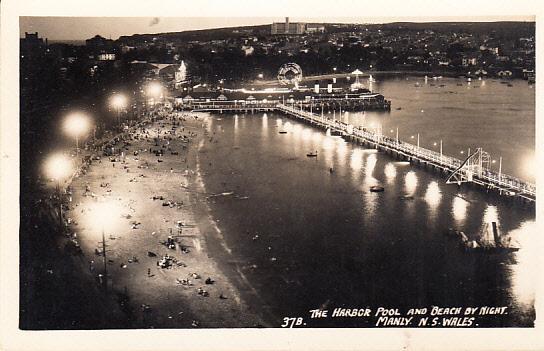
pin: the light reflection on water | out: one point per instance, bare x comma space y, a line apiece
317, 136
410, 182
305, 199
306, 134
371, 161
328, 141
433, 196
390, 172
265, 125
523, 272
356, 163
459, 210
341, 148
287, 126
490, 215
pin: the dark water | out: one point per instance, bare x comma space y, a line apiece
482, 113
307, 238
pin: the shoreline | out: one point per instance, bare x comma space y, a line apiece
164, 301
219, 249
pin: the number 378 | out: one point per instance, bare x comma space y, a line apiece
290, 322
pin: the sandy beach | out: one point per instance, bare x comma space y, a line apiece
157, 213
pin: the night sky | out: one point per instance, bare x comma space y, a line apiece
81, 28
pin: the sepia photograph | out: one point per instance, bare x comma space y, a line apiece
260, 172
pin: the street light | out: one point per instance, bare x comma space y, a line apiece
118, 102
76, 125
104, 216
154, 89
58, 167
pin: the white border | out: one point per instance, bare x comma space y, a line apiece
237, 339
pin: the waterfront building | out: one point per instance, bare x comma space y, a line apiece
288, 28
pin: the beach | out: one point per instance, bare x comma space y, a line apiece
165, 258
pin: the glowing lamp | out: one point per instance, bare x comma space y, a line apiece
58, 167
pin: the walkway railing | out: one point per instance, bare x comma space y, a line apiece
481, 175
474, 173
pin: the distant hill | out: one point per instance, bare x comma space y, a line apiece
509, 28
502, 29
202, 34
69, 42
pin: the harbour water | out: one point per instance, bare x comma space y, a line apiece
482, 113
308, 238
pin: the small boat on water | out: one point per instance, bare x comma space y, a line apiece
377, 188
312, 154
227, 193
282, 132
399, 108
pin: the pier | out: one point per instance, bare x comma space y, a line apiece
473, 169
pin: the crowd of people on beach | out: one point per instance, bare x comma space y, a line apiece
164, 132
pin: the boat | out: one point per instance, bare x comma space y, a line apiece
227, 193
490, 242
399, 108
377, 188
312, 154
282, 132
